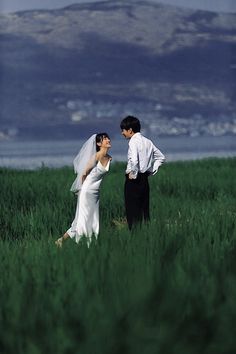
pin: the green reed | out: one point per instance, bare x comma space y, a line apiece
167, 287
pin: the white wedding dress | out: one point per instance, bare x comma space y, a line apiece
86, 222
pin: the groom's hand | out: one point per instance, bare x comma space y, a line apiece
131, 176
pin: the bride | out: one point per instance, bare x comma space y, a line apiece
91, 164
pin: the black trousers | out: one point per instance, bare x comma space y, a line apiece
137, 199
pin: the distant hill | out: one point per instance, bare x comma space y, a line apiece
76, 69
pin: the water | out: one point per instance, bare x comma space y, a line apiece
35, 154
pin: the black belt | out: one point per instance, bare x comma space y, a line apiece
139, 175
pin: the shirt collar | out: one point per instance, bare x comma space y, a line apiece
135, 135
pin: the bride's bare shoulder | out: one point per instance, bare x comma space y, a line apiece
98, 156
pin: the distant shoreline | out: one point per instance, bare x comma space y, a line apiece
35, 154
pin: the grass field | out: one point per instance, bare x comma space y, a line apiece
166, 288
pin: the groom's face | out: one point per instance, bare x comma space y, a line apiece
127, 133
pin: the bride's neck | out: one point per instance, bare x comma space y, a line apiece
103, 151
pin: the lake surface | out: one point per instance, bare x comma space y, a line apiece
35, 154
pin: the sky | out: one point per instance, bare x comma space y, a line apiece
212, 5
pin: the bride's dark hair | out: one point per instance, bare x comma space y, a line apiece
99, 139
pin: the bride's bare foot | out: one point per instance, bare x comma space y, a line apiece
59, 241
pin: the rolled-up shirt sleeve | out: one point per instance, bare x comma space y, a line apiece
133, 162
158, 159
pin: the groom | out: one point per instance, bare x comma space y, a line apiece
144, 159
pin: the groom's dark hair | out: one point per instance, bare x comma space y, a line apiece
99, 139
131, 122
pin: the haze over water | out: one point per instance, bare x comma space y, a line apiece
55, 154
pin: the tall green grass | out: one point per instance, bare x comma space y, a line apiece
167, 287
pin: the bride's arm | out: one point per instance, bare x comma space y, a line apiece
89, 168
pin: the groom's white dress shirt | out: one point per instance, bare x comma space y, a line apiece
143, 156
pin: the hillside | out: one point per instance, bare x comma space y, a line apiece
71, 70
